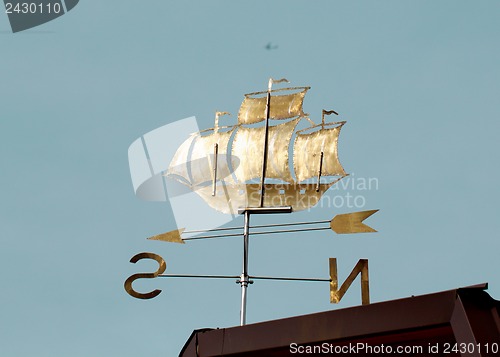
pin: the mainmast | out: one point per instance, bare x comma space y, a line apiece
266, 137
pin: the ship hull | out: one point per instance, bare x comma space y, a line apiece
232, 198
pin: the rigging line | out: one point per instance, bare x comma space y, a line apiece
198, 276
238, 277
255, 233
257, 226
291, 279
290, 224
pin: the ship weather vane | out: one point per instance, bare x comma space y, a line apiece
246, 169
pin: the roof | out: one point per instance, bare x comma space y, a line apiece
464, 315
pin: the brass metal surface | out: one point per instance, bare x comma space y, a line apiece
178, 168
248, 148
275, 81
283, 106
161, 268
227, 199
230, 161
307, 150
336, 294
202, 159
231, 198
196, 161
216, 122
352, 222
172, 236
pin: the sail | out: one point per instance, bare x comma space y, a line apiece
203, 157
307, 154
284, 106
178, 167
248, 147
193, 162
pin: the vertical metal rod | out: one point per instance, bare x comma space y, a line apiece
216, 151
244, 280
266, 136
319, 172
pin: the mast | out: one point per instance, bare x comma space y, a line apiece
266, 137
322, 152
216, 152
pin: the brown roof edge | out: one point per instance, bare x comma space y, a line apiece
476, 317
448, 308
482, 286
187, 349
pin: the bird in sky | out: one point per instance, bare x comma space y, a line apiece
270, 46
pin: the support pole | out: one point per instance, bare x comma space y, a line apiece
244, 279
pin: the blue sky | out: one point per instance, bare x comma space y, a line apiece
417, 82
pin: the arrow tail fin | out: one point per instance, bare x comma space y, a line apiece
352, 222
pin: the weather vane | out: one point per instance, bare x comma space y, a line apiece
245, 168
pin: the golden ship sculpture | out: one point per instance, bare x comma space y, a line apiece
247, 169
224, 164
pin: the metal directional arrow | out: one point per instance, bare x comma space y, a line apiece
341, 224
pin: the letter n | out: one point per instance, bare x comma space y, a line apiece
336, 294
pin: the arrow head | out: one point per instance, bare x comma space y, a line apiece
172, 236
352, 222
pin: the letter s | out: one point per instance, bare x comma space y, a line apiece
130, 280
